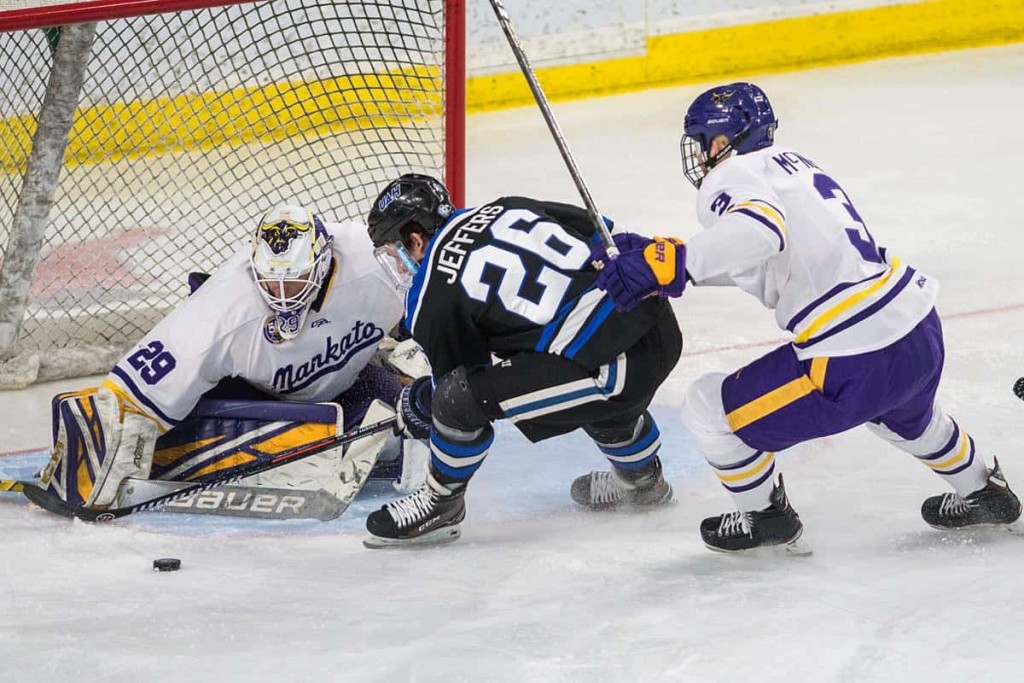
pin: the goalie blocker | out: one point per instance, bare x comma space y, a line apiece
100, 444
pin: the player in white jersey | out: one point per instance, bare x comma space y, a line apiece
867, 342
295, 316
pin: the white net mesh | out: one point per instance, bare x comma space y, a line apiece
190, 125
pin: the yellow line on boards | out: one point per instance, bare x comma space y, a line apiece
769, 47
111, 132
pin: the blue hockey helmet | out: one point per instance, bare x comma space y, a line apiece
739, 111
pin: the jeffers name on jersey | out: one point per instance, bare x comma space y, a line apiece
453, 254
525, 283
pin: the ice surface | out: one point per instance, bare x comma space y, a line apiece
930, 150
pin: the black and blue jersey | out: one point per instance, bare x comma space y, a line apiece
515, 275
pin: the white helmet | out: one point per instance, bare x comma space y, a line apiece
290, 258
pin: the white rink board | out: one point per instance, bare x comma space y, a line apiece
537, 591
571, 31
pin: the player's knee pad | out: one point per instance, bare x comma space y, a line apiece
97, 442
628, 446
703, 415
617, 434
454, 406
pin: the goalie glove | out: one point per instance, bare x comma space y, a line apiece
403, 357
98, 441
644, 267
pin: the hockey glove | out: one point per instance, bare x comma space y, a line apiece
644, 268
413, 409
624, 241
405, 358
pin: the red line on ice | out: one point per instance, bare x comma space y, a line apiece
731, 347
782, 340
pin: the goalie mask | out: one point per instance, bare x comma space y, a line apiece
291, 257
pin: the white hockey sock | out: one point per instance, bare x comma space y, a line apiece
746, 473
945, 449
748, 476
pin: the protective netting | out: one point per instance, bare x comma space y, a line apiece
189, 125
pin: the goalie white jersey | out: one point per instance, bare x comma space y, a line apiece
780, 228
225, 329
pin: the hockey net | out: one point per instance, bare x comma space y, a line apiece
143, 139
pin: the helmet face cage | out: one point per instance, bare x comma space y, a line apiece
740, 111
290, 257
695, 158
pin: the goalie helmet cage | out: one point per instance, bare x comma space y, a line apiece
143, 139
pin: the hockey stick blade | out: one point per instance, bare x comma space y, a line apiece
12, 485
53, 503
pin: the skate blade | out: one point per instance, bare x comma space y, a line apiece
795, 548
629, 507
448, 534
1016, 528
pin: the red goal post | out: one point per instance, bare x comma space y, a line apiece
142, 139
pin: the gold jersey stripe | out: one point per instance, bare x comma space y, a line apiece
845, 305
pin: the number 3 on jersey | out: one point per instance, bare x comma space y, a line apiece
531, 287
859, 236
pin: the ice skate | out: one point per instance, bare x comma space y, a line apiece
622, 488
778, 525
429, 516
995, 504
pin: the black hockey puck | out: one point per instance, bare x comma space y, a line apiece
167, 564
1018, 388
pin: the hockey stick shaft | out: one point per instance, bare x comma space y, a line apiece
553, 127
53, 503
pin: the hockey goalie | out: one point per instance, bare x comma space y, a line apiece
284, 344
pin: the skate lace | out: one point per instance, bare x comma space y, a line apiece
953, 505
606, 488
412, 508
734, 524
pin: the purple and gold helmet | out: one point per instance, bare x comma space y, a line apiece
739, 111
290, 258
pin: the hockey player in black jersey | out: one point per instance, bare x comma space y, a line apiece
513, 279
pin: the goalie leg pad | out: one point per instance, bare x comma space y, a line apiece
97, 443
225, 433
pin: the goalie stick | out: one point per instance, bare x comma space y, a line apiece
355, 475
555, 129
